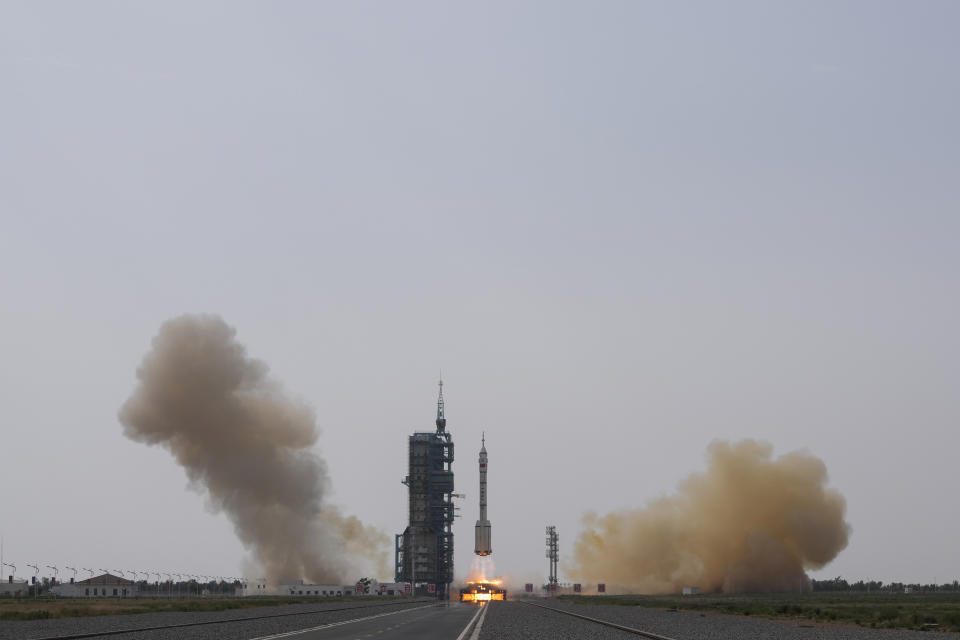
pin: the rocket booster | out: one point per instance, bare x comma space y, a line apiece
482, 530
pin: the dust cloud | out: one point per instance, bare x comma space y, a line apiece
248, 447
748, 524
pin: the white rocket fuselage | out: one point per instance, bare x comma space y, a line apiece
482, 530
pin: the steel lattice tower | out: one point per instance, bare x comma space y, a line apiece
553, 554
424, 551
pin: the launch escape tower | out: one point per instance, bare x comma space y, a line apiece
424, 551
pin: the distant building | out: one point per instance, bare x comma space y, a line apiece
300, 588
297, 588
691, 591
14, 588
106, 585
395, 589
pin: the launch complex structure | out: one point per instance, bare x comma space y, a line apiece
424, 551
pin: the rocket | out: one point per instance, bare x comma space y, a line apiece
482, 530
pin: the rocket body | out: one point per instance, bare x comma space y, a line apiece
482, 530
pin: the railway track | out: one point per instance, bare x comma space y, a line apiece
606, 623
115, 632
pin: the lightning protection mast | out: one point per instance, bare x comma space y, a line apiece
553, 555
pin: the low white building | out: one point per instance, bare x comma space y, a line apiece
14, 588
300, 588
102, 586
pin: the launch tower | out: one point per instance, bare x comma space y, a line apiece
424, 551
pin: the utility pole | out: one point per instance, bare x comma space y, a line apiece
56, 574
36, 585
12, 566
122, 590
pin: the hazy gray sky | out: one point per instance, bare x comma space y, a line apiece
622, 229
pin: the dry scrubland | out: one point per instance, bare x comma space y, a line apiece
923, 612
44, 608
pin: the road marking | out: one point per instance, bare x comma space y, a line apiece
476, 629
337, 624
463, 634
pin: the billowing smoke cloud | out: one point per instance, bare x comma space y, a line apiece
750, 523
249, 448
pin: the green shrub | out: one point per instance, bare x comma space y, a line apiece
39, 614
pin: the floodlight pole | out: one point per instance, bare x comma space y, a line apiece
124, 577
107, 572
36, 585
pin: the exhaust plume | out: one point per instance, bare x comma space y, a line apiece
247, 447
750, 523
481, 569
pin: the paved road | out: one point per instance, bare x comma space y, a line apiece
245, 624
518, 621
443, 622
